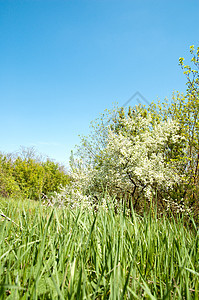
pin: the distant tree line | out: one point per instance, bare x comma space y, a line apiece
29, 176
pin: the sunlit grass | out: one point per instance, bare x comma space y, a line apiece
82, 254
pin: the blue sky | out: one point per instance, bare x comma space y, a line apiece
63, 62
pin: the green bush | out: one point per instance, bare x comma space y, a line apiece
54, 177
27, 176
8, 185
146, 152
185, 110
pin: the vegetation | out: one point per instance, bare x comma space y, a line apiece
125, 226
83, 254
28, 176
148, 153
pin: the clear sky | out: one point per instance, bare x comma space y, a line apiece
62, 62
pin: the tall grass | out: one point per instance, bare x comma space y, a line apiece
82, 254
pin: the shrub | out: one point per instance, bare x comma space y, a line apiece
151, 152
29, 175
54, 177
184, 109
8, 185
140, 158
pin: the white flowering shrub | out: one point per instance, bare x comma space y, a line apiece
76, 195
137, 156
141, 159
144, 154
72, 195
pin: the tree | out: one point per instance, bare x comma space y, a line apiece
184, 109
8, 185
189, 118
54, 177
139, 157
144, 152
27, 175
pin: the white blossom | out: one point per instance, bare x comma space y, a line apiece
139, 156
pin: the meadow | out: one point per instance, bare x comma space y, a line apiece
59, 253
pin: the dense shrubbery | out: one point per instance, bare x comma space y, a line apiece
30, 177
54, 177
146, 154
8, 185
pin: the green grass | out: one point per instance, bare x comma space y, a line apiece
63, 254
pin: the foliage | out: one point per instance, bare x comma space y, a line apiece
29, 174
25, 174
8, 185
54, 178
139, 156
184, 109
145, 152
80, 254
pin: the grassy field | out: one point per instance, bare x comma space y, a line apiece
81, 254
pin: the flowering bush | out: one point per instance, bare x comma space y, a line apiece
185, 110
146, 154
137, 156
